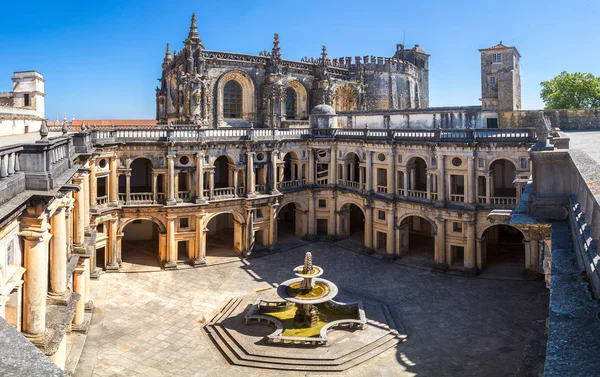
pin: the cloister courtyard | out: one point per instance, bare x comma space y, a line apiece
148, 322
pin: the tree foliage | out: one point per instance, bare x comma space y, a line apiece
571, 91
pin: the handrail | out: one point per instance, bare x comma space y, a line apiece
193, 134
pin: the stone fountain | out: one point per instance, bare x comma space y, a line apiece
308, 310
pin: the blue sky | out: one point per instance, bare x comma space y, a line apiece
101, 59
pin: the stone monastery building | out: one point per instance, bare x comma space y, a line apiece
259, 148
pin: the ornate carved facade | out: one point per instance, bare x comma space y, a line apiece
193, 81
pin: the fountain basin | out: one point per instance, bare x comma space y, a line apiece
323, 291
316, 272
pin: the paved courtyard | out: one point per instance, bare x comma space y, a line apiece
149, 323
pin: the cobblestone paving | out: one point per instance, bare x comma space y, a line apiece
148, 324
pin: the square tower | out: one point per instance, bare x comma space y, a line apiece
500, 78
28, 91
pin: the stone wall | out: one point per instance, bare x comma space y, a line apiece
574, 119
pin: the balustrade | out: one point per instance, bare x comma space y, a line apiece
418, 194
400, 191
499, 200
434, 196
457, 198
351, 184
141, 198
224, 193
261, 188
382, 189
102, 200
184, 195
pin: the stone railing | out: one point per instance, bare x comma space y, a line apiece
18, 111
223, 193
457, 198
289, 184
102, 200
351, 184
261, 188
141, 198
417, 194
184, 195
191, 134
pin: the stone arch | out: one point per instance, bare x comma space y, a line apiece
238, 240
301, 100
434, 225
351, 221
349, 154
411, 159
345, 98
133, 159
141, 175
124, 221
508, 247
515, 165
359, 203
488, 224
502, 172
248, 98
296, 221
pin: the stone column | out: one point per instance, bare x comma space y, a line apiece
93, 183
406, 183
112, 245
235, 182
58, 253
250, 175
369, 172
211, 184
488, 190
440, 242
176, 186
79, 287
200, 178
428, 186
442, 194
114, 182
154, 187
470, 180
171, 262
200, 241
79, 218
171, 200
280, 168
311, 166
413, 184
391, 237
391, 176
333, 166
273, 224
35, 286
480, 256
368, 227
470, 256
311, 215
128, 187
274, 181
361, 177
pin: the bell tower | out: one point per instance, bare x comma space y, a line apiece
500, 78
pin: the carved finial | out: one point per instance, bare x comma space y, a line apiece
65, 125
193, 37
308, 264
44, 130
500, 42
275, 52
324, 56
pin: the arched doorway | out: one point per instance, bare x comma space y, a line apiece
222, 235
502, 174
352, 223
141, 176
140, 245
292, 172
287, 224
416, 169
503, 251
417, 241
222, 173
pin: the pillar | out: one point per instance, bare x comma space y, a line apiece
79, 287
470, 180
391, 237
333, 166
60, 356
311, 215
369, 172
35, 286
470, 255
128, 187
440, 242
250, 175
171, 200
171, 263
442, 193
154, 187
113, 182
211, 184
235, 182
112, 245
79, 218
428, 186
280, 168
480, 256
200, 241
488, 189
58, 253
406, 182
413, 184
273, 224
368, 227
391, 175
93, 182
274, 190
311, 166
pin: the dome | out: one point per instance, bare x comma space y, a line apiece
322, 110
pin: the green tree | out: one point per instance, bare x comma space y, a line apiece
571, 91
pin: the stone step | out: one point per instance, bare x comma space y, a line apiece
226, 311
231, 357
243, 354
217, 313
